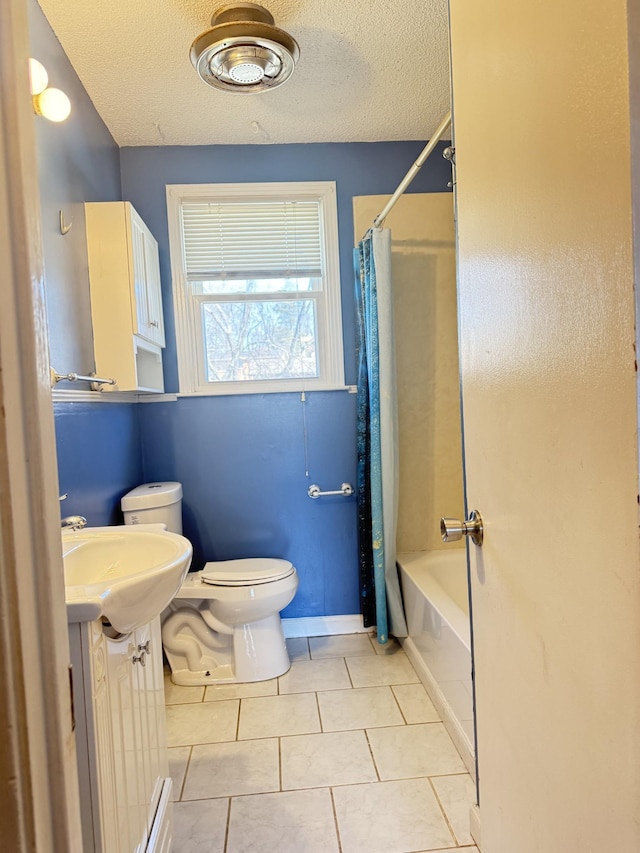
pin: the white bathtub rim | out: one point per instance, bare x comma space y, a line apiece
438, 598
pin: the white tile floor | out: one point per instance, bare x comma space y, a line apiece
343, 754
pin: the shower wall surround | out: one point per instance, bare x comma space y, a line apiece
426, 324
241, 459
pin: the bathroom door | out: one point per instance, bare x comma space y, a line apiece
38, 771
546, 301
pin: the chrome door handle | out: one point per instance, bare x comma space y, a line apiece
452, 529
141, 659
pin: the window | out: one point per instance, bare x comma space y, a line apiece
256, 287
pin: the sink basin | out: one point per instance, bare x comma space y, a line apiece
125, 574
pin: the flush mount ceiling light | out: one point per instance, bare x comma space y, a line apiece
243, 51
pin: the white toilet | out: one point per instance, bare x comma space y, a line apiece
224, 624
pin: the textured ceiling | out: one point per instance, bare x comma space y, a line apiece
369, 70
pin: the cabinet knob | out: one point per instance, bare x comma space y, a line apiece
141, 659
145, 647
154, 323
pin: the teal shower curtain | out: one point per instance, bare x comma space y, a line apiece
381, 600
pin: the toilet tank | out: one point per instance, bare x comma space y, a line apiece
154, 503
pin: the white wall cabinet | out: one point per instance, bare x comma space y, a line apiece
126, 297
125, 788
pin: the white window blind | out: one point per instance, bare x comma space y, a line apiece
257, 239
256, 287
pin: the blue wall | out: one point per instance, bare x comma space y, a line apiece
99, 458
241, 458
99, 454
241, 461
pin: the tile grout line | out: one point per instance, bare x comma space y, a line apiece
322, 731
280, 763
236, 738
226, 831
348, 672
442, 809
397, 701
353, 687
184, 778
373, 758
335, 819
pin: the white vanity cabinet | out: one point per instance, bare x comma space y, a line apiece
126, 297
125, 788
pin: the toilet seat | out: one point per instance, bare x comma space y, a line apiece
245, 572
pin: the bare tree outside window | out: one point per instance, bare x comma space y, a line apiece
260, 340
257, 339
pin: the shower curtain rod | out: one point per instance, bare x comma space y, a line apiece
413, 171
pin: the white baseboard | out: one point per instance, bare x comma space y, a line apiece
449, 719
474, 823
324, 626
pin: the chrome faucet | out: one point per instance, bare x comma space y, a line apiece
75, 522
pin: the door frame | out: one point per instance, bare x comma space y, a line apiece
38, 776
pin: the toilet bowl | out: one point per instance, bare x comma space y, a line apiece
223, 626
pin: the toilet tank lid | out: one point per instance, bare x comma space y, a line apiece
150, 495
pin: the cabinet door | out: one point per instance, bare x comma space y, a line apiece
140, 306
152, 715
100, 732
155, 331
146, 293
124, 692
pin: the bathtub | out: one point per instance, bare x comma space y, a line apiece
436, 600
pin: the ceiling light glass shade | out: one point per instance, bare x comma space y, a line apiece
243, 51
38, 77
52, 104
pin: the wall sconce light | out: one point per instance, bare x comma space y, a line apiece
48, 102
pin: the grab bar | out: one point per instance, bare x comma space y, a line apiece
315, 491
78, 377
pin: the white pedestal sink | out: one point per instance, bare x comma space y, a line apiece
126, 574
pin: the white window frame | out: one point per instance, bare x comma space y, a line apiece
189, 343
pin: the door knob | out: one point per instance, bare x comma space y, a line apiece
452, 529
